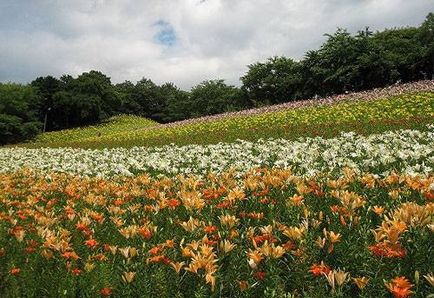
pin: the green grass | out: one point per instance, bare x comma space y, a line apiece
414, 111
113, 126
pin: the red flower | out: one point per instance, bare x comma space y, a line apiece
81, 226
118, 202
23, 217
384, 249
91, 243
155, 250
260, 275
70, 255
224, 204
209, 242
399, 292
264, 200
106, 292
76, 271
173, 203
145, 232
262, 238
210, 229
30, 249
335, 208
429, 195
159, 259
289, 245
319, 269
14, 271
100, 257
399, 287
209, 194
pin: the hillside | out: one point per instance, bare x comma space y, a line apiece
112, 126
403, 106
351, 214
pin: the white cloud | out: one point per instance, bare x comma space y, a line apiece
214, 38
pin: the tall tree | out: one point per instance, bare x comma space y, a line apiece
331, 68
275, 81
213, 97
128, 105
19, 106
88, 99
426, 36
402, 49
46, 87
176, 103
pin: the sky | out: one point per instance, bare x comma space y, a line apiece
179, 41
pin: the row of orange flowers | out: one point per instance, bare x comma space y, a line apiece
268, 217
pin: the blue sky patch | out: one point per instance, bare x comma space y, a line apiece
166, 34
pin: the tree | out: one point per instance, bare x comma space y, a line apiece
426, 37
46, 87
344, 62
371, 68
331, 68
18, 113
88, 99
403, 51
146, 94
176, 103
213, 97
127, 103
275, 81
100, 94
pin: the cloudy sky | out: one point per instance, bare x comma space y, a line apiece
182, 41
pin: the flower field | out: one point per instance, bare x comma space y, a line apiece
329, 200
409, 151
344, 217
269, 233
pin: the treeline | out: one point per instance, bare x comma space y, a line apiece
344, 63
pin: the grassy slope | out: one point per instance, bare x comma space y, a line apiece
112, 126
413, 110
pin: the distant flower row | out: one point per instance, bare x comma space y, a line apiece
373, 94
407, 151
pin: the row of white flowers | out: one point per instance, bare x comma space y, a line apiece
408, 151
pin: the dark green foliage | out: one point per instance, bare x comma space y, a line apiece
163, 103
426, 37
128, 104
213, 97
146, 94
275, 81
18, 113
176, 103
167, 103
46, 87
69, 102
346, 63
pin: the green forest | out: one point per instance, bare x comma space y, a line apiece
344, 63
